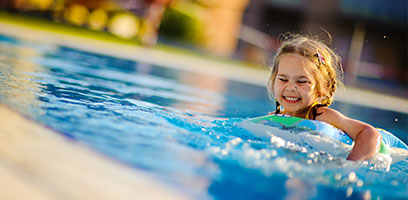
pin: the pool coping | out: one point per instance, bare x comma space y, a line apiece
38, 163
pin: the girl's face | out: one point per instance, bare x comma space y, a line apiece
295, 85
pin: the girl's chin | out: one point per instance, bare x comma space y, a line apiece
292, 106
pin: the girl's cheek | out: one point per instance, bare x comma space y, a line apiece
305, 88
277, 86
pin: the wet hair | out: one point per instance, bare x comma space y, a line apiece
326, 65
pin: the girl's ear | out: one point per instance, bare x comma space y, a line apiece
319, 96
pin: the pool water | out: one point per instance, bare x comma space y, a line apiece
181, 127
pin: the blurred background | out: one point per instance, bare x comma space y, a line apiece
370, 35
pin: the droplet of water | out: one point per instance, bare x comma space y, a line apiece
359, 183
274, 153
367, 195
330, 158
349, 191
337, 176
352, 177
236, 141
279, 142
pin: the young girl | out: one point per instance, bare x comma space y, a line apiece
303, 80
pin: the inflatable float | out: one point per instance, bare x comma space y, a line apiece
299, 130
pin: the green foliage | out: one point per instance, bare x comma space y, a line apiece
181, 24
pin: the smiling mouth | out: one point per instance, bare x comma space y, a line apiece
291, 99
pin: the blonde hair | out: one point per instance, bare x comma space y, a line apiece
326, 65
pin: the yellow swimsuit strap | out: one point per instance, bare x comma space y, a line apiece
308, 112
310, 109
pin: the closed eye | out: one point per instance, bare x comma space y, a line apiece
303, 81
283, 79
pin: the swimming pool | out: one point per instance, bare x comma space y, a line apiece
181, 126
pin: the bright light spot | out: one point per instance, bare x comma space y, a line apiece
337, 176
124, 25
352, 177
216, 149
76, 14
250, 152
98, 19
279, 142
349, 191
360, 183
236, 141
367, 195
274, 153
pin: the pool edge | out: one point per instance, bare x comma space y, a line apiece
38, 163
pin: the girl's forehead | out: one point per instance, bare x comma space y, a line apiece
295, 64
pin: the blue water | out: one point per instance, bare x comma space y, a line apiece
181, 127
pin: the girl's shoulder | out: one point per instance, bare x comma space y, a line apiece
329, 115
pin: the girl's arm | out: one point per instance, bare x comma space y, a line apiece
367, 140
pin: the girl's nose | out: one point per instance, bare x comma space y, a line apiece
291, 87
